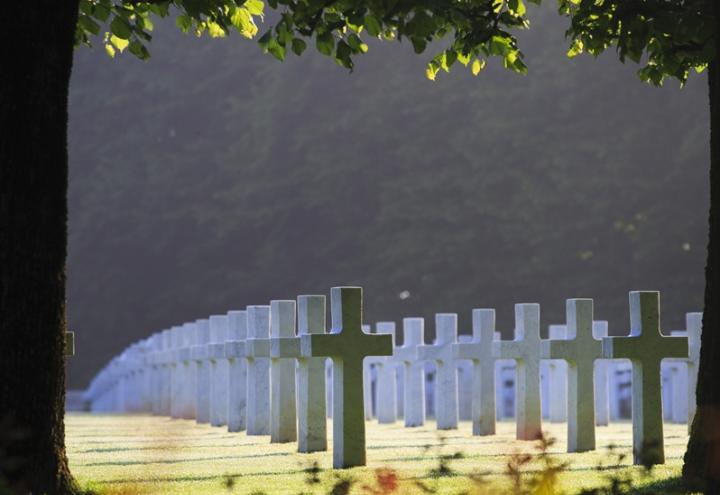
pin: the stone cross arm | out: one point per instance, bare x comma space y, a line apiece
257, 348
184, 354
285, 347
472, 350
332, 345
481, 346
580, 346
235, 349
513, 349
216, 350
199, 352
637, 348
435, 353
645, 342
407, 354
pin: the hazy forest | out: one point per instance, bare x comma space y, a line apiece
215, 177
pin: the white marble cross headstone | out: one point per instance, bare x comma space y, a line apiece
446, 380
237, 370
218, 370
602, 392
312, 424
414, 376
347, 345
189, 372
368, 376
155, 378
176, 371
199, 354
557, 380
693, 324
646, 347
386, 379
580, 351
257, 348
480, 352
525, 350
167, 360
284, 347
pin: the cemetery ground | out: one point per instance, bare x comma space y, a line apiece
143, 454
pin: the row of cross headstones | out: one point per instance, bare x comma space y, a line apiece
257, 370
612, 387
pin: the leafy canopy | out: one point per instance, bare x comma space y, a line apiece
669, 38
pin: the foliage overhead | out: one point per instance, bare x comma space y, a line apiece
669, 37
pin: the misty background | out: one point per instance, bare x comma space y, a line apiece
213, 177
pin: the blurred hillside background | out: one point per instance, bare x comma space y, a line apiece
213, 177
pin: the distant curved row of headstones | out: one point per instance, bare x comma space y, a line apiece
265, 370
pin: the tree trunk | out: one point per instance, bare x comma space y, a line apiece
702, 459
36, 49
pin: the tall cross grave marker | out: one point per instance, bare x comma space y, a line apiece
386, 379
199, 354
525, 350
218, 370
646, 347
257, 348
480, 352
283, 416
446, 379
347, 345
237, 370
580, 350
312, 424
414, 376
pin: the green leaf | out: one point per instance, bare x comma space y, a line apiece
265, 40
355, 42
139, 50
431, 70
342, 54
499, 45
215, 30
119, 43
255, 7
144, 22
419, 44
372, 25
88, 24
298, 46
184, 23
284, 35
463, 59
243, 22
121, 28
86, 7
276, 49
101, 12
576, 48
477, 66
517, 7
160, 9
325, 43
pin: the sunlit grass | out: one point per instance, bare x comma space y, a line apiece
125, 454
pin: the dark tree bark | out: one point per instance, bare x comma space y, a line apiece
702, 458
36, 49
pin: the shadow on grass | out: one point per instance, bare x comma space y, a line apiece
668, 486
180, 461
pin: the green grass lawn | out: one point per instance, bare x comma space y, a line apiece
138, 454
